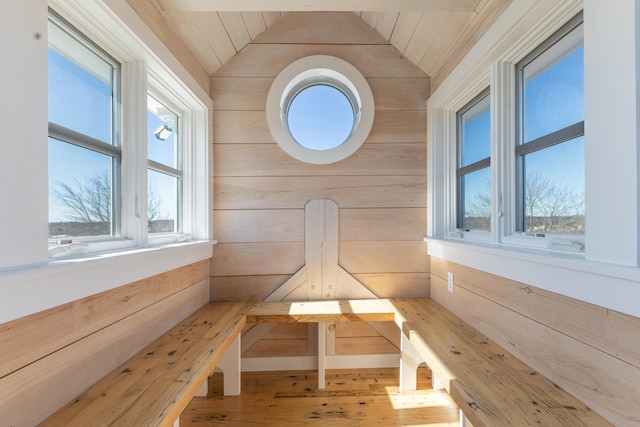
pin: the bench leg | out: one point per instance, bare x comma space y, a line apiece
409, 362
230, 367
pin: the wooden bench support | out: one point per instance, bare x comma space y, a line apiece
230, 367
409, 362
491, 386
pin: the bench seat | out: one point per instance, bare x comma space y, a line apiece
491, 386
154, 386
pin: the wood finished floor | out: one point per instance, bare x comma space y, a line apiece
363, 397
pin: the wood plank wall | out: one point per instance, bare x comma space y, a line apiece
48, 358
590, 351
260, 191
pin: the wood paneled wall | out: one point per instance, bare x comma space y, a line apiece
590, 351
48, 358
260, 191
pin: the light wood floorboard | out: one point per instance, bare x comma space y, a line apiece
363, 397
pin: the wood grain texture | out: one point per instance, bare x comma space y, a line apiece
350, 398
33, 337
154, 386
294, 192
30, 394
250, 93
274, 57
384, 257
259, 190
395, 159
244, 288
250, 127
252, 259
273, 225
396, 285
320, 28
593, 355
161, 28
382, 224
491, 386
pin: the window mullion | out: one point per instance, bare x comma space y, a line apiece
502, 140
134, 158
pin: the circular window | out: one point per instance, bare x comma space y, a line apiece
320, 109
320, 117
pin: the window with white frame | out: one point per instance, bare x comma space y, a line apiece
84, 145
164, 178
550, 136
515, 171
474, 165
122, 157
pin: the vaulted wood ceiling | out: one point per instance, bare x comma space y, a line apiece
432, 34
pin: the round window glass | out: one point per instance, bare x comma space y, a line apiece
320, 109
320, 117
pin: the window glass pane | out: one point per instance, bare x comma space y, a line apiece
320, 117
162, 139
477, 200
80, 191
80, 87
554, 88
554, 189
163, 194
476, 133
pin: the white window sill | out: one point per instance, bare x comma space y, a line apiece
59, 281
616, 287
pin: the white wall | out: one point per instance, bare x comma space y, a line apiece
23, 133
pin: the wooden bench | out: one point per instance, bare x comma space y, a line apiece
491, 387
156, 385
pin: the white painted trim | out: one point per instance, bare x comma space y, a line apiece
607, 275
322, 354
317, 69
315, 5
307, 363
615, 287
30, 290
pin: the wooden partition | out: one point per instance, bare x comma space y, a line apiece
50, 357
260, 191
590, 351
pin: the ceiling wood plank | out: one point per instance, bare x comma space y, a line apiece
404, 29
213, 29
184, 25
255, 23
236, 28
270, 18
426, 30
316, 5
386, 22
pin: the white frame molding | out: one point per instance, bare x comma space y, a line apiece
308, 71
607, 274
29, 281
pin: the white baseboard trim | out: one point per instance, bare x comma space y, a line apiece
301, 363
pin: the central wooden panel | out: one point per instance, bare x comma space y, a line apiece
260, 192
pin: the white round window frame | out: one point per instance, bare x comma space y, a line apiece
318, 70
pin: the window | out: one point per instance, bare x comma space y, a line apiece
320, 117
164, 179
121, 173
84, 146
315, 91
550, 136
474, 160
